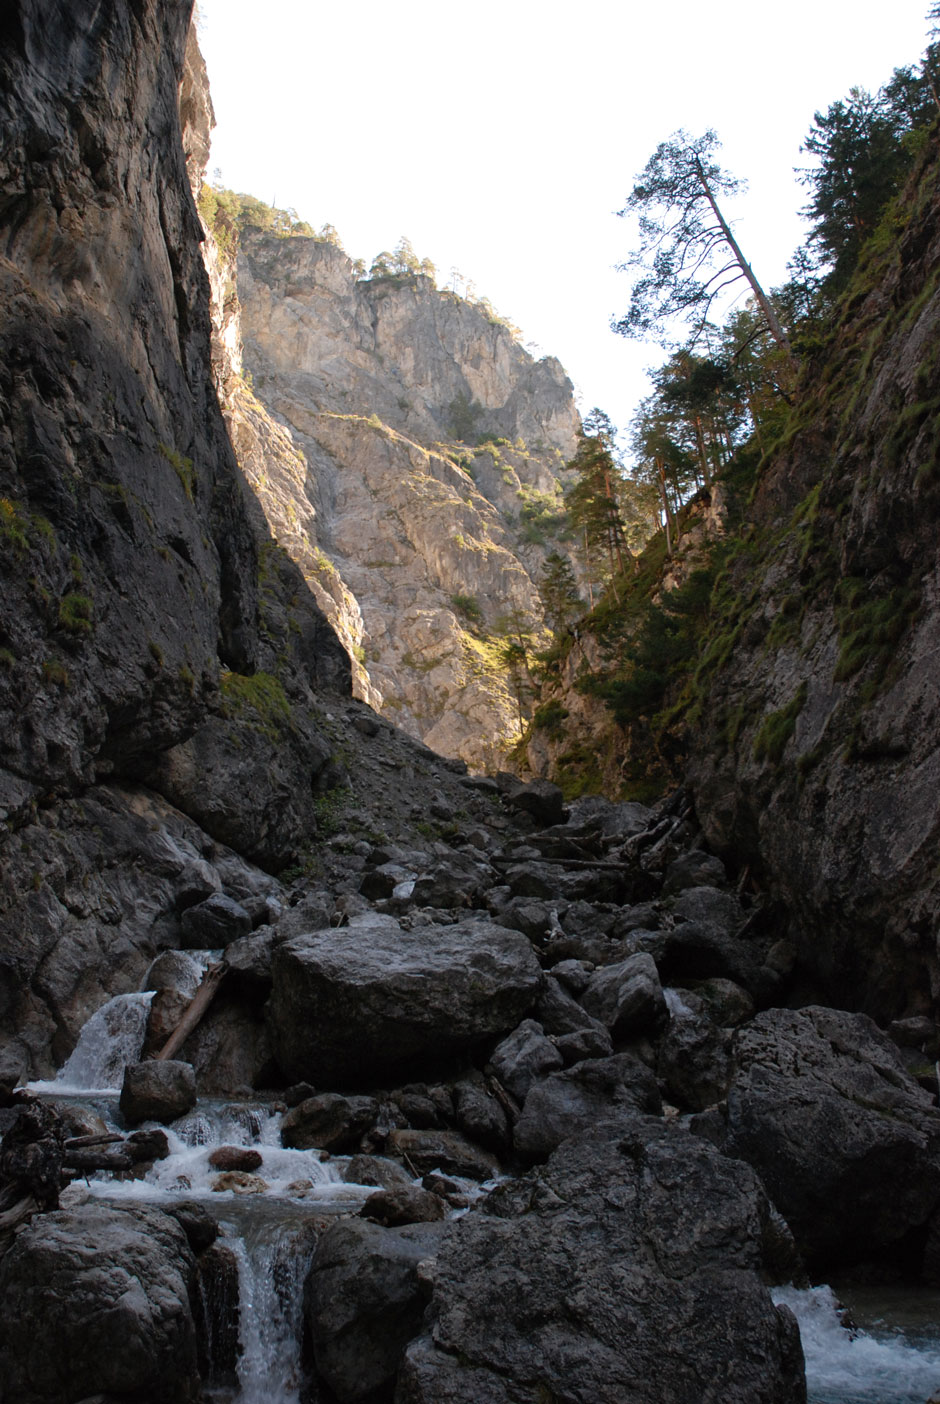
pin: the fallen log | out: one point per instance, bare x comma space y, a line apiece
194, 1010
93, 1158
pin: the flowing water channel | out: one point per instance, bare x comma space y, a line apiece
272, 1233
889, 1355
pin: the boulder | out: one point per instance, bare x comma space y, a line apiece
96, 1300
525, 1057
238, 1182
330, 1122
540, 799
365, 1302
570, 1103
214, 923
692, 1056
843, 1137
403, 1204
157, 1091
479, 1115
560, 1013
694, 869
627, 997
376, 1170
235, 1158
626, 1271
348, 1005
249, 960
442, 1150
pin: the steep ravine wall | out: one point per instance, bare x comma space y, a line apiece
169, 689
810, 725
839, 643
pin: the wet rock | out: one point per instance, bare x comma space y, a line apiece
365, 1302
403, 1204
148, 1145
157, 1091
97, 1301
235, 1158
238, 1182
584, 1282
376, 1170
571, 1103
230, 1049
215, 1308
627, 997
442, 1150
330, 1122
213, 923
845, 1140
196, 1222
525, 1057
174, 970
447, 1189
352, 1004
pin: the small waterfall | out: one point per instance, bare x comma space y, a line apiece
112, 1038
273, 1259
845, 1366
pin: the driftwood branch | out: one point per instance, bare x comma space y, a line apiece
194, 1010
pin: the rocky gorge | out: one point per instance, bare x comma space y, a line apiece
331, 1070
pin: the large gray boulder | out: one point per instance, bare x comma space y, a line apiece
96, 1301
626, 1271
627, 997
348, 1005
571, 1103
157, 1091
365, 1302
847, 1143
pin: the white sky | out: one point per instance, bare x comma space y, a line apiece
500, 137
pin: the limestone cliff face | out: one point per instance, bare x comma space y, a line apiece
420, 549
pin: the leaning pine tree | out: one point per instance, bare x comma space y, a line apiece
688, 253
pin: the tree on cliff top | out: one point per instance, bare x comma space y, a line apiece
688, 253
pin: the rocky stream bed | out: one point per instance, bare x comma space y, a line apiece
541, 1113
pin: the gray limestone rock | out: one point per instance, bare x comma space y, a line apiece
442, 1150
846, 1142
214, 922
96, 1300
353, 1003
403, 1204
525, 1057
365, 1302
583, 1282
329, 1122
627, 998
569, 1104
157, 1091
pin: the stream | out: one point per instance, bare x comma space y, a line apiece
889, 1355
